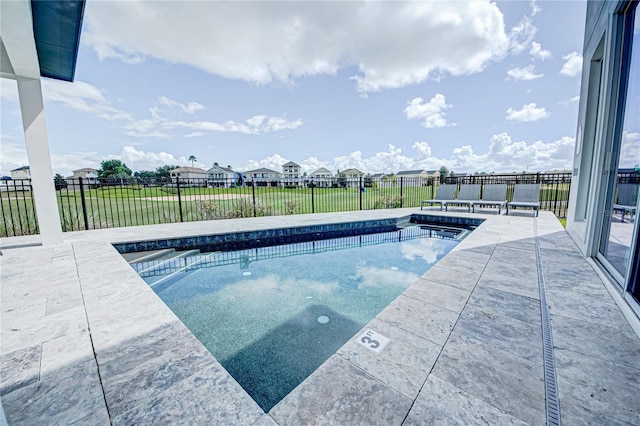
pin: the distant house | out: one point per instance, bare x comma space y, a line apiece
290, 173
420, 173
378, 176
88, 175
21, 173
321, 177
221, 177
418, 177
189, 176
353, 177
263, 177
352, 173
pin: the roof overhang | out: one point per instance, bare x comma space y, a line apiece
40, 38
56, 28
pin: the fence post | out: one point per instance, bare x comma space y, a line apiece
361, 190
313, 207
83, 201
401, 177
179, 200
253, 194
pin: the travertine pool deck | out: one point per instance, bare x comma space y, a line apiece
85, 341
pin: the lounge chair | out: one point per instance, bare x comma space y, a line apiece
526, 195
467, 196
445, 193
492, 195
627, 199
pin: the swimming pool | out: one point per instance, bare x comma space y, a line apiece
272, 315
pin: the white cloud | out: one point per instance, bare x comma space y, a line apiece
521, 36
572, 66
194, 135
571, 100
529, 112
83, 97
431, 112
391, 44
538, 52
374, 277
190, 108
503, 155
526, 73
8, 89
423, 149
159, 126
142, 160
630, 151
14, 155
427, 249
535, 8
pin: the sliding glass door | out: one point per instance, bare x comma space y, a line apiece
619, 229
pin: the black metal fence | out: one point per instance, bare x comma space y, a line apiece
17, 209
108, 203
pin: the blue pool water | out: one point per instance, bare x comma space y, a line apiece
272, 315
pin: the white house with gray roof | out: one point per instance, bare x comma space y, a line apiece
221, 176
190, 176
23, 172
291, 173
321, 177
263, 177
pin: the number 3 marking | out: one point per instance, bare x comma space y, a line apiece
373, 343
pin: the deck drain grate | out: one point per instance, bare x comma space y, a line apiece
550, 381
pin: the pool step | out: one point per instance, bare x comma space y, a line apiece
171, 263
146, 256
190, 262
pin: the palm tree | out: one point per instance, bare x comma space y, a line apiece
193, 159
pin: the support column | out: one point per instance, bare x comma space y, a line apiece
39, 157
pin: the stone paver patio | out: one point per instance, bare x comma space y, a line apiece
85, 341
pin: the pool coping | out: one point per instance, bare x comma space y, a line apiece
133, 353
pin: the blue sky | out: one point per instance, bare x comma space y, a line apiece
380, 86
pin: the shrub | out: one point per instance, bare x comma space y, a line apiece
19, 225
71, 219
207, 210
386, 202
291, 206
